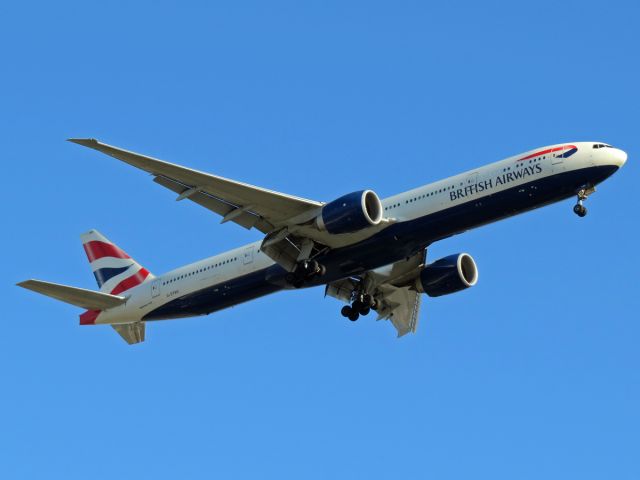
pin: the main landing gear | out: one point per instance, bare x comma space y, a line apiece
362, 304
579, 209
305, 270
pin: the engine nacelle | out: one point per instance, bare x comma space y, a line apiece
351, 212
448, 275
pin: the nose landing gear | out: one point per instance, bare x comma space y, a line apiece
579, 209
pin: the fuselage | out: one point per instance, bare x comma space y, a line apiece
416, 219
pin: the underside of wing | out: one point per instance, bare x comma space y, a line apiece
244, 204
392, 289
401, 306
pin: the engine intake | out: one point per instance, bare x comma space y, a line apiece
350, 213
448, 275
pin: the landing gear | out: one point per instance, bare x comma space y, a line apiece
579, 209
362, 305
305, 270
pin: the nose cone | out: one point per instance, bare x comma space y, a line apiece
618, 157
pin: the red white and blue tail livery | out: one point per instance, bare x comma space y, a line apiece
367, 252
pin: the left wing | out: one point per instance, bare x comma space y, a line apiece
244, 204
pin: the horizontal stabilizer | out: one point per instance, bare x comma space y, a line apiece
131, 332
75, 296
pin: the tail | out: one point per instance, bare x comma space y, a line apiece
115, 271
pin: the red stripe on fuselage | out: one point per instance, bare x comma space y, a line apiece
131, 282
544, 152
96, 249
89, 317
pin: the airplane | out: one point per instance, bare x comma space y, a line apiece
367, 252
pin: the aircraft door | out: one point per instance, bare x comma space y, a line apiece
248, 255
557, 158
155, 288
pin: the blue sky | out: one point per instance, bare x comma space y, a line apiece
531, 374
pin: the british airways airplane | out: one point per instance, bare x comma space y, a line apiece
369, 253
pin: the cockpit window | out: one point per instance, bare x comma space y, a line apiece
601, 145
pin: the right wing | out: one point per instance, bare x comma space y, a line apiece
401, 305
393, 288
244, 204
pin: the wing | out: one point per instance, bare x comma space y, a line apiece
244, 204
401, 305
392, 287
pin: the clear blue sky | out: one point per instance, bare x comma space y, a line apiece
532, 374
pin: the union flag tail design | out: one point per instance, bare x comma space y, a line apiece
115, 271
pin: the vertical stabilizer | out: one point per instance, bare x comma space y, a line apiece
115, 271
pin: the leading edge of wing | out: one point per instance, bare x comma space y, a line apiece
277, 206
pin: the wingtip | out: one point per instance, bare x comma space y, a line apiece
86, 142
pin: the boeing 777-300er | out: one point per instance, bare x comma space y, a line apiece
368, 252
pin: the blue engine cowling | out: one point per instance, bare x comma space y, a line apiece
351, 212
448, 275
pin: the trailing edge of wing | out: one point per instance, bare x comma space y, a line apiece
79, 297
218, 194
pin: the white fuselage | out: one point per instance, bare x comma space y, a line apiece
471, 186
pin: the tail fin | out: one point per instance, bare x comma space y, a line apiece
115, 271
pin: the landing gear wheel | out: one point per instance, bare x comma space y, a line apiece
580, 210
354, 315
365, 311
346, 311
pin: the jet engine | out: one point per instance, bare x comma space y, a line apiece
351, 213
448, 275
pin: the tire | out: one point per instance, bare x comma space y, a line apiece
583, 212
354, 315
311, 267
357, 305
365, 311
346, 311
